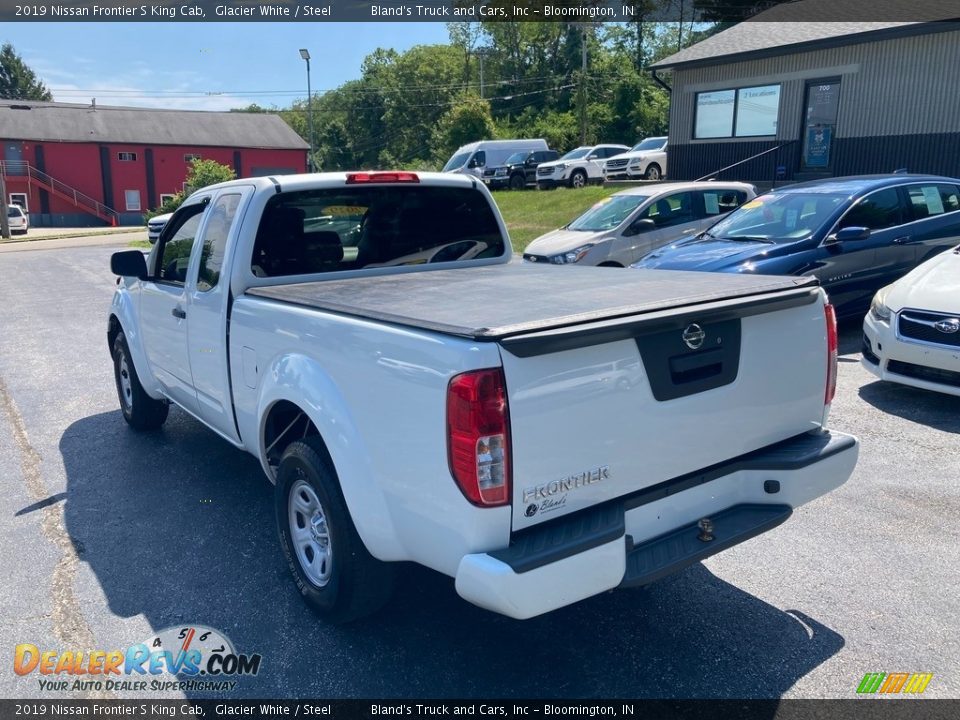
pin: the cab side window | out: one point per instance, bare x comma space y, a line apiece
215, 236
176, 244
877, 211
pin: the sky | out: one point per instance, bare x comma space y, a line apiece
203, 66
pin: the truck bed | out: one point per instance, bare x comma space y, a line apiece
497, 302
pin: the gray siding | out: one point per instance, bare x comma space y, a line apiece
902, 86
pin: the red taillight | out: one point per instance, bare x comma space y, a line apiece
478, 436
382, 177
831, 318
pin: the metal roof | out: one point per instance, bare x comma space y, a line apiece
789, 27
69, 122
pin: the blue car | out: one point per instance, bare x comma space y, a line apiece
855, 234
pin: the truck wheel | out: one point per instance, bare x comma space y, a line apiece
653, 172
140, 410
335, 574
578, 179
517, 182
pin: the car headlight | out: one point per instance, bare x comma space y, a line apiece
571, 256
878, 310
501, 172
561, 166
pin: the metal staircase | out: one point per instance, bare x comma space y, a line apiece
21, 170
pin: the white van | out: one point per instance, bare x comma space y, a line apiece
471, 159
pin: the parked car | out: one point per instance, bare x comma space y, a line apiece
473, 158
519, 170
645, 160
155, 226
472, 415
855, 234
624, 227
578, 167
911, 335
18, 220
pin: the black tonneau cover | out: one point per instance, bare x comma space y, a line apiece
497, 302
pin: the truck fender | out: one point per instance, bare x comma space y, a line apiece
124, 312
301, 381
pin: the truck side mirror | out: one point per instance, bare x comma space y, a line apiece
641, 226
129, 263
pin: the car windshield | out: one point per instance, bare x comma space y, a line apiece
779, 217
516, 159
608, 213
576, 154
649, 144
456, 161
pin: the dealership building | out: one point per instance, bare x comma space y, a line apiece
86, 165
817, 99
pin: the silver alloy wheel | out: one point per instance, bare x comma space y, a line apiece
578, 180
126, 385
653, 173
309, 533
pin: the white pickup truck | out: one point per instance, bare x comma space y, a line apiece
414, 396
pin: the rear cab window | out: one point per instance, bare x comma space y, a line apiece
373, 226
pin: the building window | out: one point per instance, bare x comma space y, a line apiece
745, 112
127, 156
132, 199
166, 197
190, 157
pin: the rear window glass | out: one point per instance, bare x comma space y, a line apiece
14, 211
927, 200
350, 228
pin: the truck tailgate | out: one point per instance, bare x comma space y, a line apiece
609, 408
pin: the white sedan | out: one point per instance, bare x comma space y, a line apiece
911, 335
155, 226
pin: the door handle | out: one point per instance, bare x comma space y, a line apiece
178, 313
903, 240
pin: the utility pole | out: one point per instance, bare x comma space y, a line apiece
305, 54
4, 219
582, 90
482, 54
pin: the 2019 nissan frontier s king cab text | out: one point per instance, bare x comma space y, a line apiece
415, 397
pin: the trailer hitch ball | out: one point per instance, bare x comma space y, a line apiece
706, 529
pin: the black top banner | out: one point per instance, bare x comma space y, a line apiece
481, 10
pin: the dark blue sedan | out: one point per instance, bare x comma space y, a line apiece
855, 234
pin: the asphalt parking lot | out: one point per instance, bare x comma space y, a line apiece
110, 536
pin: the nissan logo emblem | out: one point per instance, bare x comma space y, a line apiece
949, 326
694, 336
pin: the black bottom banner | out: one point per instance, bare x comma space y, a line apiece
866, 708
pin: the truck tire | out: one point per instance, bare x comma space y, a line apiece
653, 172
331, 567
140, 410
578, 179
518, 181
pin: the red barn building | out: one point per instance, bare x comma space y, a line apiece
80, 165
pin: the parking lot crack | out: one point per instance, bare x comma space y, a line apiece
69, 625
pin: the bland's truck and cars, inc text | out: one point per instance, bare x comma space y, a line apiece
415, 396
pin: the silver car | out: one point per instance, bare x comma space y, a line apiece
622, 228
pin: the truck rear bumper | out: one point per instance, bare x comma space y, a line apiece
645, 536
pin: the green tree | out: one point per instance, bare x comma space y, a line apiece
207, 172
17, 80
201, 174
465, 122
